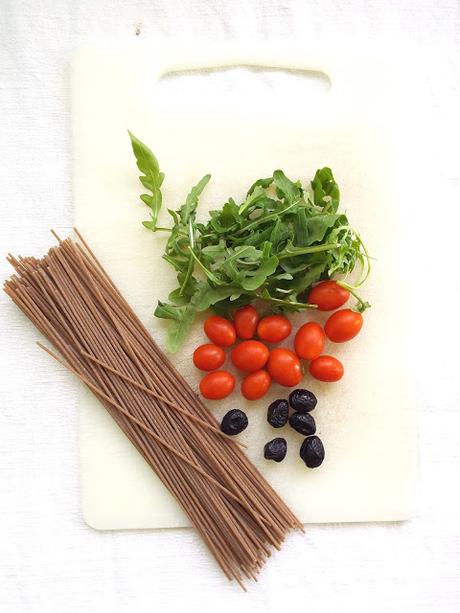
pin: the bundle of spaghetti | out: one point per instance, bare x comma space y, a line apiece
73, 302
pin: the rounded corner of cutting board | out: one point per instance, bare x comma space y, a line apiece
91, 519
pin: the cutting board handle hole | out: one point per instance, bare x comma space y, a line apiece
244, 83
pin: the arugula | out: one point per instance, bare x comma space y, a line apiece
151, 179
272, 247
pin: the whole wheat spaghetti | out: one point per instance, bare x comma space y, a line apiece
73, 302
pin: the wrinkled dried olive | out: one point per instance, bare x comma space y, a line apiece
303, 401
234, 422
312, 451
303, 423
278, 413
275, 449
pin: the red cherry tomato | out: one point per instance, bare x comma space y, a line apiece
326, 368
328, 296
343, 325
216, 385
274, 328
309, 341
246, 320
284, 367
208, 357
250, 356
220, 330
255, 385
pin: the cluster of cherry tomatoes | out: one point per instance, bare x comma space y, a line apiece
262, 365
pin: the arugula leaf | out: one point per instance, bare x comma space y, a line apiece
179, 329
207, 296
282, 276
256, 195
281, 232
301, 228
265, 183
191, 202
182, 298
187, 217
151, 179
326, 192
289, 190
167, 311
229, 214
304, 282
254, 237
317, 227
257, 278
229, 305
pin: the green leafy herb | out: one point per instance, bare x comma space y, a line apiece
272, 247
151, 179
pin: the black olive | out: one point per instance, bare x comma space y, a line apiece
303, 423
234, 422
312, 451
278, 413
275, 449
303, 401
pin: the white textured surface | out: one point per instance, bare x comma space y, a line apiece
369, 471
50, 560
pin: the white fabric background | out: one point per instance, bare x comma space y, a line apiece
50, 561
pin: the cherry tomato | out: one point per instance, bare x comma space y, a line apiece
246, 320
216, 385
328, 296
220, 330
326, 368
256, 384
250, 356
343, 325
309, 341
274, 328
284, 367
208, 357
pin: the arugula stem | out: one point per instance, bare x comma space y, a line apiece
206, 271
361, 305
190, 267
314, 249
368, 260
268, 217
237, 254
299, 305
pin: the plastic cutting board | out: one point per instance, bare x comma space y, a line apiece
367, 420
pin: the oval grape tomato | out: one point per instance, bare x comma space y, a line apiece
328, 296
274, 328
326, 368
216, 385
284, 367
343, 325
208, 357
246, 319
220, 331
309, 341
256, 385
250, 356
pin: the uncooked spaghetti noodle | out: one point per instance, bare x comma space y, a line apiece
72, 301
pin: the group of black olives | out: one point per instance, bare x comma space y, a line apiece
302, 402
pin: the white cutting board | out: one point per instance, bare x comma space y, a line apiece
366, 420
